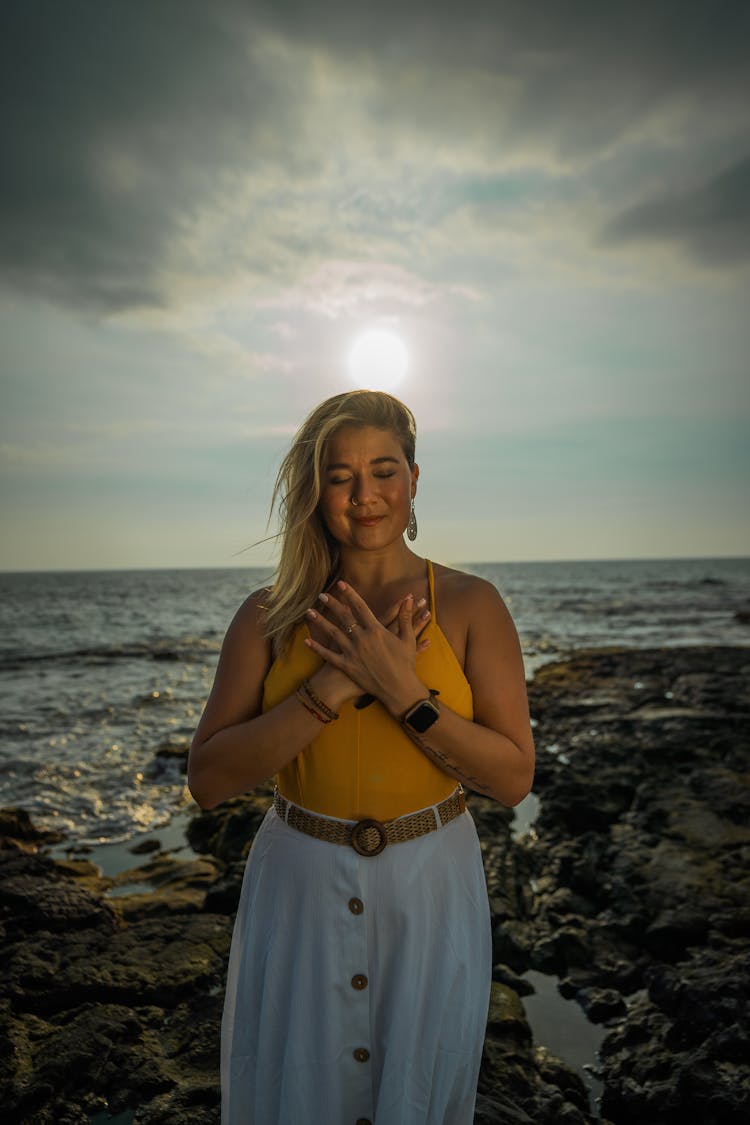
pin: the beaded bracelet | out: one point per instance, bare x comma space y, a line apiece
320, 718
329, 713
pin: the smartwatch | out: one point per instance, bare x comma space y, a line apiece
421, 716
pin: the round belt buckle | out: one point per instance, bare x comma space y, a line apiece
358, 842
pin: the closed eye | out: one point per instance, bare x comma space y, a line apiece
346, 480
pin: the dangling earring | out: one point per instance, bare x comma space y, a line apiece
411, 527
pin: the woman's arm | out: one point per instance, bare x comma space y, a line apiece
494, 753
235, 746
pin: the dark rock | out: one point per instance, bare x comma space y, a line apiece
564, 947
144, 847
505, 975
555, 1073
179, 887
223, 896
506, 1017
601, 1004
228, 830
37, 894
673, 930
491, 1110
656, 883
519, 1082
510, 943
16, 826
725, 791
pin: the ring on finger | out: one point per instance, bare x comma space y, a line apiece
351, 627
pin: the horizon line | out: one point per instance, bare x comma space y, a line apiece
474, 562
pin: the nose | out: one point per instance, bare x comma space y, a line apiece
362, 494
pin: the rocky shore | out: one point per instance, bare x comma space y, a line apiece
632, 889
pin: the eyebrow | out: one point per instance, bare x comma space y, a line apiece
375, 461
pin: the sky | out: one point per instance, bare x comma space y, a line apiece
204, 205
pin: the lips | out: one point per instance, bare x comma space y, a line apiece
368, 521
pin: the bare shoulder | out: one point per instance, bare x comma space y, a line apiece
470, 608
245, 639
252, 613
456, 589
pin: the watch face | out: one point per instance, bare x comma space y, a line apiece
421, 717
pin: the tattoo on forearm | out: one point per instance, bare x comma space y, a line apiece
446, 764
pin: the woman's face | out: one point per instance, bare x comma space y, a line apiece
368, 465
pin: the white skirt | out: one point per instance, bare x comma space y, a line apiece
357, 988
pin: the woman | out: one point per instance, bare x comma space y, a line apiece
360, 966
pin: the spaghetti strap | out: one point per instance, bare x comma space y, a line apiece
431, 584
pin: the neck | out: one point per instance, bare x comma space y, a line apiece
371, 571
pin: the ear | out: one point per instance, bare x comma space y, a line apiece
414, 479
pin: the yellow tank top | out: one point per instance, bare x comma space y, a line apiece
363, 764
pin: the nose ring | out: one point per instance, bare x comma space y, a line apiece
355, 501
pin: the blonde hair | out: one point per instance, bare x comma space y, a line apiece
309, 554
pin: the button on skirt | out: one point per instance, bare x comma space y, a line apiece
357, 987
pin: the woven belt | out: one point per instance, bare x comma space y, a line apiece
369, 837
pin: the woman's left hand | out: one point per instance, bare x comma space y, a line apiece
380, 660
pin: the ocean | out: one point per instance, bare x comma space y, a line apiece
100, 669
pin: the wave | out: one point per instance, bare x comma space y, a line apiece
184, 649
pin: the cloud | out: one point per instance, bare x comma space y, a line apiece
712, 220
337, 288
119, 123
588, 66
151, 148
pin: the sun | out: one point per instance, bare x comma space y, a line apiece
378, 360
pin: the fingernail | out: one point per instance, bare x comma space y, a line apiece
410, 597
341, 585
425, 615
422, 601
311, 613
323, 598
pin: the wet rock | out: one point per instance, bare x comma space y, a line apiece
648, 1079
170, 754
511, 943
177, 886
228, 830
653, 879
505, 975
18, 832
105, 1008
37, 894
521, 1083
145, 847
600, 1004
554, 1072
506, 1017
152, 961
223, 896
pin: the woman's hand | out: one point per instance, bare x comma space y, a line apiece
377, 656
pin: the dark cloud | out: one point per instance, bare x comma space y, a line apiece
580, 51
119, 121
124, 123
712, 220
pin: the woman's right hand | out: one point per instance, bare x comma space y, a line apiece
333, 685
